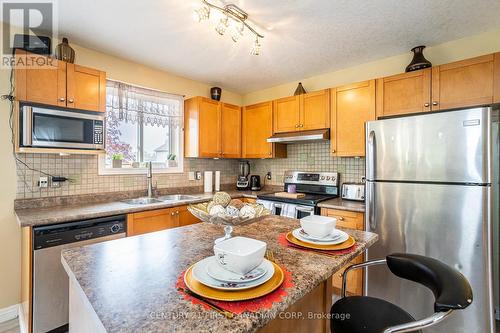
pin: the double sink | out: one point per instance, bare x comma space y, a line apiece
164, 198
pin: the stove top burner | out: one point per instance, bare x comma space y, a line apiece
308, 200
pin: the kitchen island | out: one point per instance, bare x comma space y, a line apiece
129, 285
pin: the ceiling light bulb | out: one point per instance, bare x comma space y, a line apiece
222, 26
237, 32
256, 47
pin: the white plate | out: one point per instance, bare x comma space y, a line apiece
200, 274
215, 271
336, 234
342, 237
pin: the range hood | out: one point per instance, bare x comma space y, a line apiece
302, 136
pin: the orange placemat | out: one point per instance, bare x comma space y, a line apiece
253, 305
285, 243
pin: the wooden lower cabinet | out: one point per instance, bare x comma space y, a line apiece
351, 220
185, 217
158, 219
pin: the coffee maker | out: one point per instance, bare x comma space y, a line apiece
243, 182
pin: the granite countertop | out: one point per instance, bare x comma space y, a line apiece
65, 213
339, 203
128, 280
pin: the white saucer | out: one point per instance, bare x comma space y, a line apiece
200, 274
336, 237
215, 271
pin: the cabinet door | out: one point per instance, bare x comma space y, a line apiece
257, 127
352, 106
151, 221
209, 132
404, 93
286, 114
463, 83
354, 278
185, 217
86, 88
315, 111
41, 80
231, 130
496, 76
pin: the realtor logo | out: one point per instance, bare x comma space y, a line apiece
26, 25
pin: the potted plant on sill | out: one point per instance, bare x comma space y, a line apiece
171, 162
117, 160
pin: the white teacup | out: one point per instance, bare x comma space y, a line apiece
240, 254
318, 226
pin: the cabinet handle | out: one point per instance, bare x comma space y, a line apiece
333, 150
426, 105
70, 100
62, 99
341, 218
301, 125
173, 213
177, 212
297, 126
435, 103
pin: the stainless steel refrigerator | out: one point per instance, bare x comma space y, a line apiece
432, 189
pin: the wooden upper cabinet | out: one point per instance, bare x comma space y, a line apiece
286, 114
404, 93
49, 81
496, 78
230, 130
463, 83
42, 79
315, 110
86, 88
211, 129
352, 106
257, 127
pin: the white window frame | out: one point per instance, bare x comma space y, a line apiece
101, 160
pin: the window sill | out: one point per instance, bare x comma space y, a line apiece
137, 171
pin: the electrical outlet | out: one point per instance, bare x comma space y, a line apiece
268, 175
43, 182
198, 175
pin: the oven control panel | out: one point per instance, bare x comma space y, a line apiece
312, 178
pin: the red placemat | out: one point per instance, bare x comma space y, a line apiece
284, 242
253, 305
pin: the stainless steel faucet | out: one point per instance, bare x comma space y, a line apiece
149, 176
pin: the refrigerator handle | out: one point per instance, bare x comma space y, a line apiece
371, 156
370, 206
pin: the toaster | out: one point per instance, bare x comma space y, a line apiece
353, 191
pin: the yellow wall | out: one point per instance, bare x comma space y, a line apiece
440, 54
116, 68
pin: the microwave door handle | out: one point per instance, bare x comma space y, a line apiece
27, 126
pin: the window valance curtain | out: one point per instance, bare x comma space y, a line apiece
134, 104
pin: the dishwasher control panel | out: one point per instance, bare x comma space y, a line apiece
55, 235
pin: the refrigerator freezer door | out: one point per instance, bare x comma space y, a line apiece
449, 147
446, 222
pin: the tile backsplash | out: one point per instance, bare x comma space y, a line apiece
310, 157
82, 170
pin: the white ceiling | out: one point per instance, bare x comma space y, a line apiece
302, 37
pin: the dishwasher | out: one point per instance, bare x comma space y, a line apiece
50, 281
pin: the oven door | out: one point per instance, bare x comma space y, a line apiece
303, 211
61, 129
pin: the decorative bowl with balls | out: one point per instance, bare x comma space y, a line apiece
223, 210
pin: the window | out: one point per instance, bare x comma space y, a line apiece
142, 125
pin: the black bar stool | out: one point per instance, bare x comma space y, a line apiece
363, 314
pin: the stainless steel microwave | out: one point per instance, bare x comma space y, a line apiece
44, 127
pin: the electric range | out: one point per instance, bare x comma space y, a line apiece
317, 187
